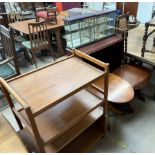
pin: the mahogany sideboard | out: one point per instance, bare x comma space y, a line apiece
109, 50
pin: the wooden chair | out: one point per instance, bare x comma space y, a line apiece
39, 39
138, 76
48, 13
4, 20
14, 17
9, 64
146, 36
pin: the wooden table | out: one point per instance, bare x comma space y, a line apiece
135, 42
23, 27
120, 91
9, 140
56, 105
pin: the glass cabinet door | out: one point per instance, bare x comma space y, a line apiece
84, 29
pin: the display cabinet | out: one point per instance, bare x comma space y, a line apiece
89, 27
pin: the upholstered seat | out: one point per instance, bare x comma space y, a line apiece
44, 14
6, 70
49, 14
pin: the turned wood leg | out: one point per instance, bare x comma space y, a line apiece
59, 44
154, 97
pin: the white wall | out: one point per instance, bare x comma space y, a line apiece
144, 12
99, 5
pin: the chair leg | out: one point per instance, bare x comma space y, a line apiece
52, 54
139, 95
121, 108
128, 108
154, 97
34, 58
115, 110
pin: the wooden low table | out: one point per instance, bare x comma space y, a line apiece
9, 140
119, 91
23, 27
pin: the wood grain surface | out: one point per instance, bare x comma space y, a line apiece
9, 140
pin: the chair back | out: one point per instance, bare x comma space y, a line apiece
51, 14
8, 44
148, 38
122, 21
4, 20
15, 17
38, 35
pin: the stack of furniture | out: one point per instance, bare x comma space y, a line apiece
61, 114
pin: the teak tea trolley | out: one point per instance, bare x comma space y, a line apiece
57, 108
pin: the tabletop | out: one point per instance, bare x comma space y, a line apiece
135, 42
48, 86
9, 140
115, 94
23, 25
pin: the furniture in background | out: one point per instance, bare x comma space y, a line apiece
63, 6
89, 27
122, 21
47, 13
61, 116
14, 17
23, 27
137, 75
39, 39
148, 34
8, 65
105, 50
10, 141
131, 7
117, 99
4, 19
135, 44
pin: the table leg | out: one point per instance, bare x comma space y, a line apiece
59, 44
